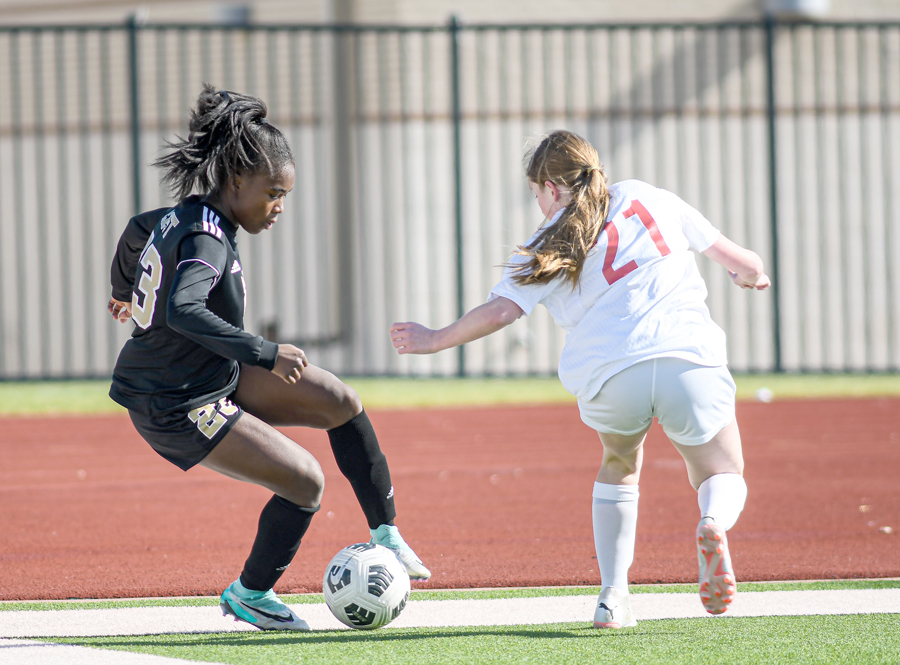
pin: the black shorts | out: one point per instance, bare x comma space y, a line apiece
186, 437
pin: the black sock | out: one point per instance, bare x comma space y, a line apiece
360, 459
281, 527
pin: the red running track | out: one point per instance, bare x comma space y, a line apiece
488, 497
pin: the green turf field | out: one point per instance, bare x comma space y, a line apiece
853, 639
73, 397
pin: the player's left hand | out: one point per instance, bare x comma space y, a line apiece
412, 338
290, 363
119, 309
762, 281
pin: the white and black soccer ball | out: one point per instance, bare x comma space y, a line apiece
366, 586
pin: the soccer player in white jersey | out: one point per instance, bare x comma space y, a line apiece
614, 268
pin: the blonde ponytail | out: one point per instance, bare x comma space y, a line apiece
571, 163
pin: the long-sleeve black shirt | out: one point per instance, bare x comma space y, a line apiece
181, 270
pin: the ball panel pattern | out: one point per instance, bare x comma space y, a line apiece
366, 586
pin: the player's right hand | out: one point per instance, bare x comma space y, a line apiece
290, 363
120, 310
412, 337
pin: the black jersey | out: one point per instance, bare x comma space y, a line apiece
181, 270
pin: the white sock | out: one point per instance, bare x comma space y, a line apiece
722, 498
614, 512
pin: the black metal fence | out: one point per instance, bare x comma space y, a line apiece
409, 190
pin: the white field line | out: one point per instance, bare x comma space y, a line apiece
436, 613
26, 652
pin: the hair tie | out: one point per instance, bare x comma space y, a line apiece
264, 121
225, 96
586, 172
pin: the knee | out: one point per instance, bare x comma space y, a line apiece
317, 483
699, 474
616, 469
624, 466
308, 484
346, 405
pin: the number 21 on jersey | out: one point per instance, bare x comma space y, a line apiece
613, 275
151, 278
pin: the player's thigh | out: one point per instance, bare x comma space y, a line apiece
721, 454
692, 402
319, 399
621, 413
695, 407
624, 404
255, 452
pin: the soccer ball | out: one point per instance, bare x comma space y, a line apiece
366, 586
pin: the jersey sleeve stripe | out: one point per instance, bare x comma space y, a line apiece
218, 274
212, 229
211, 223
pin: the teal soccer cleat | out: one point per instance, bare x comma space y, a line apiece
261, 609
390, 537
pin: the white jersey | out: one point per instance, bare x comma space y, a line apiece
640, 294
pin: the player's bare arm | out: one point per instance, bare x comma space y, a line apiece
479, 322
744, 266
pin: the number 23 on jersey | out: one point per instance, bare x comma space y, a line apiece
143, 300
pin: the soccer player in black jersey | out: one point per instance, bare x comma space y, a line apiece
203, 391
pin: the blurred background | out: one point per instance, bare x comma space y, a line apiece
778, 119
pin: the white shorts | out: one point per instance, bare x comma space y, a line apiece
691, 402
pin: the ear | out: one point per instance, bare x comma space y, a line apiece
553, 190
236, 181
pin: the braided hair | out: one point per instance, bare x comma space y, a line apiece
228, 135
571, 163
